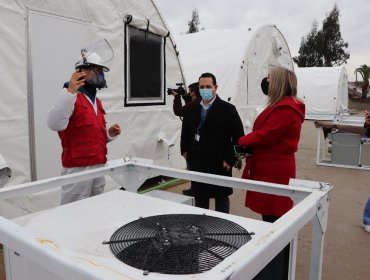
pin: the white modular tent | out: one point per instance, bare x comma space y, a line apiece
239, 58
324, 90
41, 41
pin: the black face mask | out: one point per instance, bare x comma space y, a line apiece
97, 81
265, 86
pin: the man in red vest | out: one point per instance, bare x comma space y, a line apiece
78, 117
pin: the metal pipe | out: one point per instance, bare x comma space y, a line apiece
51, 183
237, 183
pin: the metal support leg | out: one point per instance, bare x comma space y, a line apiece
316, 250
319, 225
293, 257
318, 146
131, 180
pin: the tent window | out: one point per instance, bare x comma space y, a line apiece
144, 68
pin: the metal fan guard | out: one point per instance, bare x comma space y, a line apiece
177, 243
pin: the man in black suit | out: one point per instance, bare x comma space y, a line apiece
209, 132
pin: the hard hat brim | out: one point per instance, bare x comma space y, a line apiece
105, 69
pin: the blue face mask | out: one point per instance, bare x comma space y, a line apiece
206, 93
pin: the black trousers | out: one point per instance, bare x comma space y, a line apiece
278, 267
222, 203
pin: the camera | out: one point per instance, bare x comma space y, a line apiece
179, 90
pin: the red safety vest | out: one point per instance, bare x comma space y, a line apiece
84, 141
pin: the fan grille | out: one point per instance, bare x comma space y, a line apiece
177, 243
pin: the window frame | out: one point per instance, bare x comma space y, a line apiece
144, 101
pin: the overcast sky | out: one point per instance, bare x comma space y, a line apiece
294, 18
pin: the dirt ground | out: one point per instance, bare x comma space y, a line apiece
2, 272
359, 104
347, 245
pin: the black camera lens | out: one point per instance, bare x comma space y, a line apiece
180, 90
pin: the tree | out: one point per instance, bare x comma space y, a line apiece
308, 56
364, 71
324, 47
331, 41
194, 22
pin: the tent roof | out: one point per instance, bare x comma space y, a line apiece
324, 90
239, 58
219, 52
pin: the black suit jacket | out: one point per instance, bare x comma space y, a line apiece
219, 133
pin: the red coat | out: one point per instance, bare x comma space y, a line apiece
274, 140
84, 141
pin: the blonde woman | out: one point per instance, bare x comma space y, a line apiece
273, 142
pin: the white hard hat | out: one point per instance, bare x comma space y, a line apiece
91, 59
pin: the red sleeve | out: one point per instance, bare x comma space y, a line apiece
279, 121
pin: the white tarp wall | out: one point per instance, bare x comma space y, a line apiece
41, 41
324, 90
5, 172
239, 58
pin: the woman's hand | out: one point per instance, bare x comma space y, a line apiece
226, 166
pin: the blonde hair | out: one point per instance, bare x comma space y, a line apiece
283, 82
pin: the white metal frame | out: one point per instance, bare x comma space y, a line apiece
312, 206
322, 160
322, 146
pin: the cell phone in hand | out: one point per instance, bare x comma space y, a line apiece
242, 150
80, 78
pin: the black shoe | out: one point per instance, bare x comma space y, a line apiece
187, 192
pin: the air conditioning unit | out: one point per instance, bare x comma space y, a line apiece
124, 235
